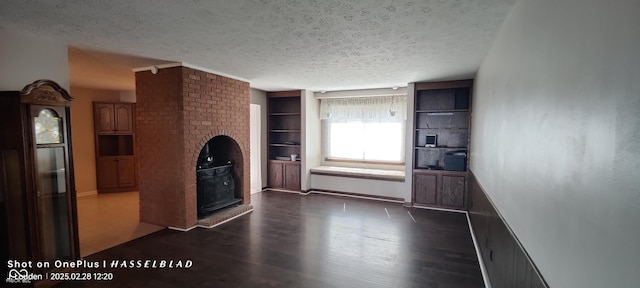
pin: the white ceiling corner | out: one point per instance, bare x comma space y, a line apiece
274, 44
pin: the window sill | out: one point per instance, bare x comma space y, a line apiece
339, 160
371, 174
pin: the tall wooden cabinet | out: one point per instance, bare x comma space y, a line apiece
37, 192
114, 137
442, 124
284, 112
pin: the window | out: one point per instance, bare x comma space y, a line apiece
364, 129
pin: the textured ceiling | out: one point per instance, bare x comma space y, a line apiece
279, 44
102, 70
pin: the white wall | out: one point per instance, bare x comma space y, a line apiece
25, 58
556, 137
259, 97
255, 136
359, 186
128, 96
311, 142
408, 145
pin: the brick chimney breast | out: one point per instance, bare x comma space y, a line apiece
178, 111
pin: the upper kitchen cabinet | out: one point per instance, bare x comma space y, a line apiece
114, 118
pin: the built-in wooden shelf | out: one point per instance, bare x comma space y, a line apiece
284, 131
285, 128
450, 103
442, 111
447, 148
421, 129
424, 170
284, 145
285, 114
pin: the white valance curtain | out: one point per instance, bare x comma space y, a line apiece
383, 108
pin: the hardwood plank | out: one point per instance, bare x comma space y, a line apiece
292, 240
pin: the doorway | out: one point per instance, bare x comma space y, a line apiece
254, 140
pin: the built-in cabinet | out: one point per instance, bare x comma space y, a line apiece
442, 113
114, 137
114, 118
284, 174
38, 215
284, 139
116, 171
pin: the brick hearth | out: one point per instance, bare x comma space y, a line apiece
178, 110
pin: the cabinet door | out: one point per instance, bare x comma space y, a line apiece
275, 175
292, 176
105, 123
123, 118
126, 171
424, 188
108, 172
453, 191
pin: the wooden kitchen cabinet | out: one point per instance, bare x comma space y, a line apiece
116, 172
114, 138
114, 118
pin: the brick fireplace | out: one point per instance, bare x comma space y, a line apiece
178, 110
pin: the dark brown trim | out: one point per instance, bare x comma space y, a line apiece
278, 189
358, 176
445, 172
285, 161
292, 93
438, 206
117, 189
402, 163
510, 263
347, 194
444, 85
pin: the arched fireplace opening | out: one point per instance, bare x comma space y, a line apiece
219, 175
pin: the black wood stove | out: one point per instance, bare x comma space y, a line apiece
216, 189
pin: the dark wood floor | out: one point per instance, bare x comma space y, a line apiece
291, 240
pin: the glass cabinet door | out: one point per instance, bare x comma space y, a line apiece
53, 204
54, 219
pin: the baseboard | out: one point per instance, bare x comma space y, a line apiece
86, 193
281, 190
183, 229
439, 209
476, 246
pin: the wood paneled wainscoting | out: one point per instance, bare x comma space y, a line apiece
507, 263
